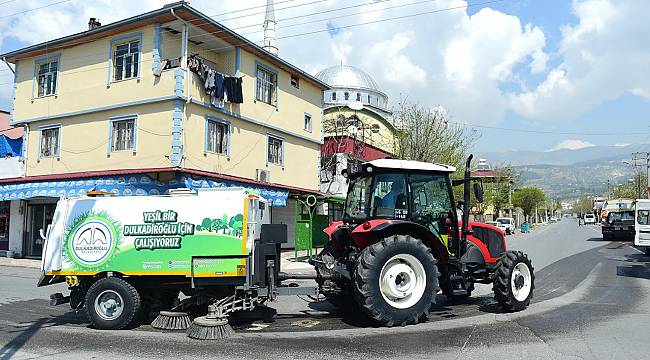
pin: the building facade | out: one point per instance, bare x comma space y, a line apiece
162, 100
357, 124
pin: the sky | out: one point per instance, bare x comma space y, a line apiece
527, 74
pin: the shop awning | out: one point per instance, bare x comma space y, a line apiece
123, 185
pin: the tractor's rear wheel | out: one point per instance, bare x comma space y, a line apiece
395, 280
515, 281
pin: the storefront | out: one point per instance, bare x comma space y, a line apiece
26, 207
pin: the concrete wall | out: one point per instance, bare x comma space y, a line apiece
84, 142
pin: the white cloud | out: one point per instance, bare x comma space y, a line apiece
622, 145
400, 69
604, 56
571, 144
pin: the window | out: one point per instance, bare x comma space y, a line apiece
123, 135
126, 60
47, 74
295, 82
274, 151
217, 137
50, 142
368, 99
266, 86
358, 97
346, 95
307, 122
333, 96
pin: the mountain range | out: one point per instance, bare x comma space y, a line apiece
567, 174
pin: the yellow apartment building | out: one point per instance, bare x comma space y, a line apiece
165, 99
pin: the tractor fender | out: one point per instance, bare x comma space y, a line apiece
374, 230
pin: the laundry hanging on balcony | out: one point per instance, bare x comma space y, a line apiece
220, 87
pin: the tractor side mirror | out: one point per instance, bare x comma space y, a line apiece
478, 192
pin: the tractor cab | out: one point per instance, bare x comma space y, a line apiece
389, 192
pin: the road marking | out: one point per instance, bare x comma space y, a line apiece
635, 249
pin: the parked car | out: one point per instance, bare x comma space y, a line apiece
509, 223
553, 219
497, 224
590, 219
619, 225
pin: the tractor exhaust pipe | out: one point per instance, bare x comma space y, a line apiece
466, 201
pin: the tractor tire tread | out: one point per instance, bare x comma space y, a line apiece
364, 290
501, 285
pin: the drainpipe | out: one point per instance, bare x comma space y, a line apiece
184, 50
6, 62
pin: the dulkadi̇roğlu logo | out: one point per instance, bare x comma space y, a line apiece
91, 240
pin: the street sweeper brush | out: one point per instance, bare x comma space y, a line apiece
172, 320
210, 327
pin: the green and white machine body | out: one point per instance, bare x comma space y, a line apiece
207, 233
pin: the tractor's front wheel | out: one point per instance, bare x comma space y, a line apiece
515, 281
396, 280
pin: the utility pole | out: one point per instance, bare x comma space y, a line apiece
638, 159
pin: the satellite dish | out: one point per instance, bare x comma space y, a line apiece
355, 105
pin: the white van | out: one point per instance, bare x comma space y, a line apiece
642, 225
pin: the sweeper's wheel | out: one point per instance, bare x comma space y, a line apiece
112, 304
396, 280
515, 281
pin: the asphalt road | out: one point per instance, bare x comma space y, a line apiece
588, 303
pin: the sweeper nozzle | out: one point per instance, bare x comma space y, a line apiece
172, 320
210, 327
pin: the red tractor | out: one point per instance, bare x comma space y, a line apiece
400, 242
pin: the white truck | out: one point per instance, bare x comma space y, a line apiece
642, 225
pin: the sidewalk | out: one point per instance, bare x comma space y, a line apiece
288, 264
29, 263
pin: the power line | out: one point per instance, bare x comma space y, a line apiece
639, 132
304, 33
7, 2
195, 22
33, 9
250, 8
290, 18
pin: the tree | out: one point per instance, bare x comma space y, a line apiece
528, 199
632, 188
584, 205
425, 134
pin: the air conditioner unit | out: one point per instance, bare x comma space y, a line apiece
263, 175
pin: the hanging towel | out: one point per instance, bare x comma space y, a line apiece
218, 83
238, 94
